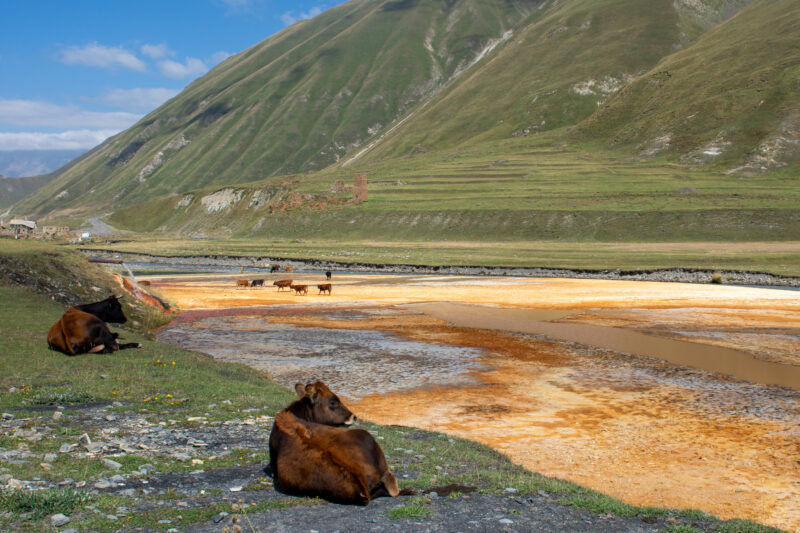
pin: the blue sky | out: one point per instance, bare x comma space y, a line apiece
73, 72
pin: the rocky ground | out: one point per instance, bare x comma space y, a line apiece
129, 445
666, 275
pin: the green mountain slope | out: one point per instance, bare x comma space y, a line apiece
731, 98
474, 121
555, 71
14, 189
298, 101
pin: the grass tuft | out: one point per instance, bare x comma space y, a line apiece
42, 503
58, 396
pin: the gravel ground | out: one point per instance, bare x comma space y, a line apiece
666, 275
111, 436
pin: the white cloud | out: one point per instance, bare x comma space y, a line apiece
96, 55
289, 17
139, 99
34, 113
156, 51
67, 140
192, 68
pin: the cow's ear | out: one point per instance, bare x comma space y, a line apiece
311, 391
300, 389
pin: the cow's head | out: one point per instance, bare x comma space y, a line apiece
325, 406
113, 311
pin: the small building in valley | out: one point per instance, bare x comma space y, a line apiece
21, 226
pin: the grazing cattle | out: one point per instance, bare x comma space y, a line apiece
283, 283
323, 287
328, 274
83, 329
288, 269
242, 283
310, 457
257, 283
274, 268
300, 288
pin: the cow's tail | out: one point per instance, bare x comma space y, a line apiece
388, 481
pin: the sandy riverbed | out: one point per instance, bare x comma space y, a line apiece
647, 431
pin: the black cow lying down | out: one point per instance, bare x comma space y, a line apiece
310, 457
83, 329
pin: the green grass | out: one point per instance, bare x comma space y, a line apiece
35, 505
414, 508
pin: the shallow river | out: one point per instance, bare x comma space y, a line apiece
572, 378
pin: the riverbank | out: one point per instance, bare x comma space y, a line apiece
162, 439
464, 355
263, 263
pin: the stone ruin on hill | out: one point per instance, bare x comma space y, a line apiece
359, 188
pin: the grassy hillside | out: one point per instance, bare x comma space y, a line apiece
585, 120
13, 190
297, 101
552, 73
502, 191
730, 99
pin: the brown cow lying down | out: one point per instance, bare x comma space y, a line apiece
78, 332
309, 457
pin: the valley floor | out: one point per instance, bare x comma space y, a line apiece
624, 422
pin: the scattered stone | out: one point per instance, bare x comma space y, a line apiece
118, 479
506, 521
50, 457
236, 489
103, 484
70, 530
57, 415
8, 416
111, 516
220, 517
14, 484
58, 520
5, 478
94, 447
84, 440
103, 376
46, 466
67, 448
109, 463
110, 418
510, 490
128, 493
147, 468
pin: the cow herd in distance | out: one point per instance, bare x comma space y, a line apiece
286, 283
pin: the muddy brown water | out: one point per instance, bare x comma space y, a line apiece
580, 388
718, 359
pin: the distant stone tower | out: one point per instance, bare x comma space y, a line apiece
360, 188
